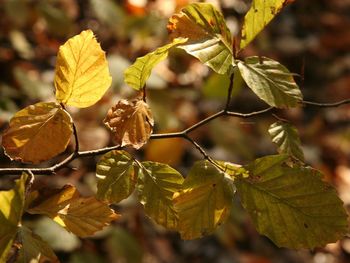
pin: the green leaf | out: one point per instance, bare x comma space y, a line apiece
287, 138
204, 201
270, 81
33, 248
209, 39
11, 210
157, 184
116, 174
138, 73
259, 15
292, 206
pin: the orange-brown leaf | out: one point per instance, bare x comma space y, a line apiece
82, 216
37, 133
131, 122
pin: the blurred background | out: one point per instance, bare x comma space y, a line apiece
311, 38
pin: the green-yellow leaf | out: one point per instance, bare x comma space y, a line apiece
11, 210
33, 249
287, 138
156, 185
204, 201
292, 206
138, 73
131, 122
270, 81
37, 133
117, 175
81, 75
82, 216
259, 15
209, 39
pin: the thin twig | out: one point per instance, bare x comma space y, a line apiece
229, 93
326, 105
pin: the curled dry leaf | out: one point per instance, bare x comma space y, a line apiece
131, 122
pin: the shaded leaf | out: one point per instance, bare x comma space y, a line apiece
82, 216
258, 16
11, 210
270, 81
37, 133
156, 185
137, 74
81, 75
209, 39
287, 138
131, 122
116, 174
292, 206
33, 248
204, 201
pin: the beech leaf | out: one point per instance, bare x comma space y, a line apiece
37, 133
33, 248
11, 210
204, 201
131, 122
81, 75
287, 138
258, 16
117, 176
137, 74
270, 81
82, 216
156, 186
292, 206
209, 39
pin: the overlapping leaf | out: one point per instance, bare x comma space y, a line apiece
11, 209
259, 15
204, 201
209, 39
156, 186
33, 248
131, 122
137, 74
82, 216
287, 138
81, 74
270, 81
117, 176
38, 133
292, 206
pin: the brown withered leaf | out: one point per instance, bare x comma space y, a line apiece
82, 216
131, 122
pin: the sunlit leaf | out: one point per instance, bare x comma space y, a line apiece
131, 122
33, 249
137, 74
81, 75
37, 133
11, 210
270, 81
117, 175
157, 184
292, 206
204, 201
287, 138
209, 39
259, 15
82, 216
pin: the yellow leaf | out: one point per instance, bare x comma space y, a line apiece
11, 210
82, 75
37, 133
204, 201
82, 216
131, 122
